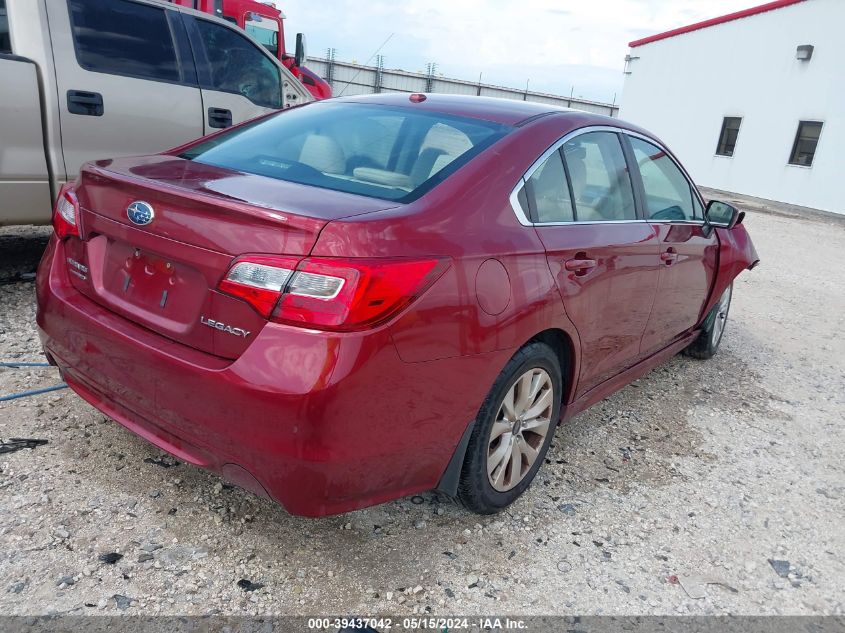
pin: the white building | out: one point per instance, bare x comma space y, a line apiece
752, 102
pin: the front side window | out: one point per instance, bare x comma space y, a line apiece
668, 193
728, 136
806, 142
548, 192
599, 175
377, 151
236, 65
124, 38
5, 38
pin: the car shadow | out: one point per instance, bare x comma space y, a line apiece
21, 248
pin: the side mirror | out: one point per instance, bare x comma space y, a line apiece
723, 215
301, 54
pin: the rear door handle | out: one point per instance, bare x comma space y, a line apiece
219, 118
85, 103
669, 257
580, 266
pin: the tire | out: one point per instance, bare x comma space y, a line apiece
712, 329
534, 367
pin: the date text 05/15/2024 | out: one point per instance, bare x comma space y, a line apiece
439, 624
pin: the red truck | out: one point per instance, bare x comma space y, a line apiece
265, 23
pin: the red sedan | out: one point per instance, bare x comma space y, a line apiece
371, 297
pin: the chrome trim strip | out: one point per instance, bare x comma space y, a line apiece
557, 145
637, 221
524, 220
690, 222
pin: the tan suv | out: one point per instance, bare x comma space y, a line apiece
89, 79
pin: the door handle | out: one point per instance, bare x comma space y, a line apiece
580, 266
85, 103
219, 118
669, 257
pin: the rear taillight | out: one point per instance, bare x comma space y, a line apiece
259, 281
328, 293
66, 213
348, 294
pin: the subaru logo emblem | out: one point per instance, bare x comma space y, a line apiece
140, 213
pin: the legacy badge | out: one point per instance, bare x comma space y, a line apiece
217, 325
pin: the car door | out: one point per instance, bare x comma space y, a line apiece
601, 254
24, 177
240, 80
126, 80
688, 248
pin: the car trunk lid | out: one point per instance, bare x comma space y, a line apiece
163, 275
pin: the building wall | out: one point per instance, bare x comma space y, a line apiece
682, 87
354, 79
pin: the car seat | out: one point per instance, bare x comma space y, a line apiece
324, 154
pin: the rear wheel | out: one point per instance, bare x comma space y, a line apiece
513, 430
713, 328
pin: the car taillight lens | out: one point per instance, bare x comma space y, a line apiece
66, 213
259, 281
327, 293
349, 294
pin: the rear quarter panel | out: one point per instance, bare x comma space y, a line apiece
468, 219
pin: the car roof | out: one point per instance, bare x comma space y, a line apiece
505, 111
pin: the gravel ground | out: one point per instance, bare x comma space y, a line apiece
704, 488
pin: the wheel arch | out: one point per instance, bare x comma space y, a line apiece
564, 348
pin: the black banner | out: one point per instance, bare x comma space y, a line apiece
438, 624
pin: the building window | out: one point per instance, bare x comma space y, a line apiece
806, 141
727, 137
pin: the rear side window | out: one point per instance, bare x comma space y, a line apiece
5, 39
377, 151
548, 192
668, 193
600, 180
124, 38
235, 64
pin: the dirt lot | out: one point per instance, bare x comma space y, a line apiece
706, 487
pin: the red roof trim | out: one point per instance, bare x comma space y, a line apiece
763, 8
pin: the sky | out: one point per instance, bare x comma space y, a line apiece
559, 47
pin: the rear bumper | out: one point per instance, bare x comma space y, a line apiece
322, 423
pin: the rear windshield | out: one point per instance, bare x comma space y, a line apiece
381, 152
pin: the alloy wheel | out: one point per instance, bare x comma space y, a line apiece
520, 429
721, 315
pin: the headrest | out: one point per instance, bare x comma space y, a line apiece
323, 153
